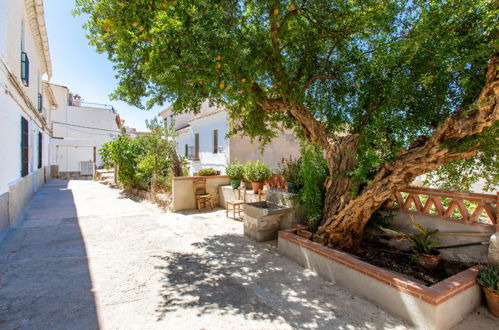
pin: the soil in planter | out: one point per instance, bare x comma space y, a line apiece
399, 262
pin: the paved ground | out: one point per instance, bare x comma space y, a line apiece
87, 257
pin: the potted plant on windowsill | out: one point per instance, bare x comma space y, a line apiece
290, 170
426, 255
488, 278
235, 171
257, 172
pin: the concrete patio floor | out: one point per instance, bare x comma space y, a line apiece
87, 257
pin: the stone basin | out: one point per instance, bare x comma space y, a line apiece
262, 220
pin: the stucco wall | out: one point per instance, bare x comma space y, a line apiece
283, 146
474, 254
4, 213
75, 140
20, 194
183, 191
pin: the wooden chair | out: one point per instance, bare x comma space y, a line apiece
201, 196
234, 206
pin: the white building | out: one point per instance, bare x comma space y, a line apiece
25, 105
79, 131
203, 141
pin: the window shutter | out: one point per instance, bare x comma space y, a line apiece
40, 150
215, 141
24, 147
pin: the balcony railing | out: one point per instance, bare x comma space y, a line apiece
192, 154
78, 103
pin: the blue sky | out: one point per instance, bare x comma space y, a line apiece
78, 66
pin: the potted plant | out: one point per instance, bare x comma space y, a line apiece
488, 278
235, 171
257, 172
427, 256
208, 172
290, 170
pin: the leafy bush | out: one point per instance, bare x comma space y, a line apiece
256, 171
313, 173
207, 171
144, 162
489, 277
290, 170
235, 170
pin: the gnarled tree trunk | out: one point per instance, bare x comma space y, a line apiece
344, 222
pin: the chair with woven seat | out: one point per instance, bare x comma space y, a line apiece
234, 206
201, 196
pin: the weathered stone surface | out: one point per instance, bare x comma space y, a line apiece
493, 257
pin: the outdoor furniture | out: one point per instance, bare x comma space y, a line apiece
201, 196
234, 206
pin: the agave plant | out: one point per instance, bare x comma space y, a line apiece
489, 277
421, 241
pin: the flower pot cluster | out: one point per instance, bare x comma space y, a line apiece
255, 172
290, 171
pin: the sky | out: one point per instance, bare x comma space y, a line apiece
78, 66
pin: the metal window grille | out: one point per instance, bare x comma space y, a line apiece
87, 168
25, 69
24, 147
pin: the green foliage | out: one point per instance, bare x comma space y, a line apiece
489, 277
207, 171
313, 173
420, 241
256, 171
145, 161
390, 71
380, 219
290, 170
235, 170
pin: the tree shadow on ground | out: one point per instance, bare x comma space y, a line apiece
231, 274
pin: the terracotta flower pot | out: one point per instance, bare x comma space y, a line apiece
257, 186
492, 301
305, 233
429, 261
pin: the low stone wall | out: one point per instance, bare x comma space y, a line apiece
4, 213
163, 200
183, 190
440, 306
19, 195
472, 254
74, 176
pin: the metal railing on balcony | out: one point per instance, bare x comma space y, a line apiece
95, 105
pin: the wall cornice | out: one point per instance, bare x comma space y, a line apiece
36, 19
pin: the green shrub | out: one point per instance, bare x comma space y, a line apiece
207, 171
235, 170
256, 171
290, 170
313, 173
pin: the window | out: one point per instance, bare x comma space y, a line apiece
24, 147
25, 69
40, 102
40, 150
215, 141
196, 146
186, 151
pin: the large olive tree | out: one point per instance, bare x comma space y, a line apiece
389, 89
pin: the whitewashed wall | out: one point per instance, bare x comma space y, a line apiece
74, 143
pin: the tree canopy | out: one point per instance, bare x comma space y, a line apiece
389, 71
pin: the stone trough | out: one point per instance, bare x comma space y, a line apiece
262, 220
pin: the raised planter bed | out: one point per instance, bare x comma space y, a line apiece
439, 306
